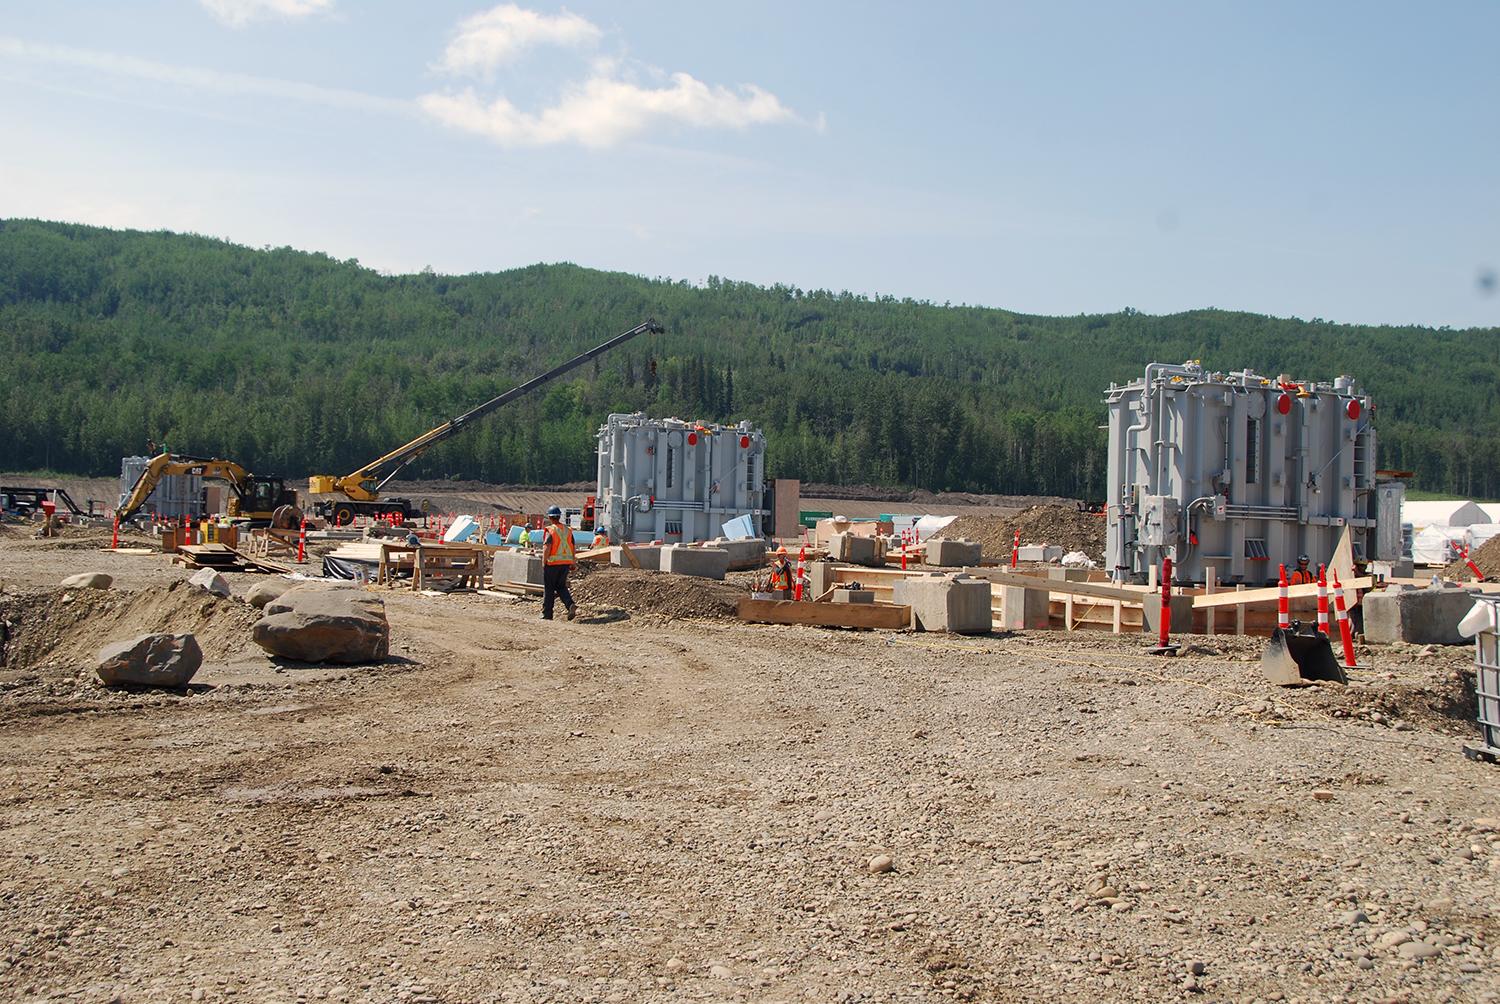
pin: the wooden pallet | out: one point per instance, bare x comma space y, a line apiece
222, 558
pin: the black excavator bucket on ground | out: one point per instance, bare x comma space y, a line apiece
1293, 658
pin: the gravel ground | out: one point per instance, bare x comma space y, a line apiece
634, 808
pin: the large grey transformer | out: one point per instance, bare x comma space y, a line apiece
1240, 473
676, 481
175, 496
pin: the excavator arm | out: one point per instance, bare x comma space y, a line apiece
364, 485
166, 465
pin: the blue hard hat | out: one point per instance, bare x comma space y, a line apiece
555, 512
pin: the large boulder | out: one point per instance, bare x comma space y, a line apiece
263, 593
152, 660
325, 625
211, 581
88, 580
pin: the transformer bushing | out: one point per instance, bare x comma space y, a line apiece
677, 481
1241, 473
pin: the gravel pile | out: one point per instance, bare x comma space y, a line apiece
1039, 524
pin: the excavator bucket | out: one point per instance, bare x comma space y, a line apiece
1292, 659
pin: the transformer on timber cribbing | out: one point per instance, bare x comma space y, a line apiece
1241, 473
675, 481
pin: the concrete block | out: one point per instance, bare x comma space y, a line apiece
853, 596
1182, 614
743, 554
1061, 574
649, 555
953, 553
702, 562
1427, 616
1023, 609
855, 549
1399, 569
517, 566
1039, 552
953, 603
819, 575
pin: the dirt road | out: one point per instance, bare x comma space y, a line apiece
632, 808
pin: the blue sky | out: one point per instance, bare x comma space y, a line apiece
1332, 160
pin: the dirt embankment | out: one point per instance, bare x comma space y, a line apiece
1062, 525
1487, 557
670, 597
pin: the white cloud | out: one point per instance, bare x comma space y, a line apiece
238, 13
605, 110
487, 39
196, 79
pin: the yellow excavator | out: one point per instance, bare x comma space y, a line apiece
263, 501
358, 494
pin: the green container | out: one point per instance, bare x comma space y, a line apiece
809, 518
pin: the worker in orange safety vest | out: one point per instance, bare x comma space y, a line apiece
781, 571
1303, 575
557, 561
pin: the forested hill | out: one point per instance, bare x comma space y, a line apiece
295, 363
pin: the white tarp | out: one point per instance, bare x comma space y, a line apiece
1436, 545
929, 525
1478, 534
1442, 512
1491, 510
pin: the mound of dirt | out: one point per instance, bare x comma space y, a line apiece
671, 596
1487, 557
66, 629
1062, 525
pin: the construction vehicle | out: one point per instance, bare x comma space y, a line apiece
358, 494
25, 501
264, 501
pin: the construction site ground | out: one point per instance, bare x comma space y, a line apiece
658, 803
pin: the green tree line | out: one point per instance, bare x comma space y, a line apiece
295, 363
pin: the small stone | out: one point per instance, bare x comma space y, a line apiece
1122, 905
720, 972
1322, 795
1391, 939
1418, 950
1106, 892
88, 580
880, 863
1364, 963
210, 581
1353, 918
1468, 967
1197, 968
675, 965
1439, 906
823, 815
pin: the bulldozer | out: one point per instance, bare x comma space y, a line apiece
263, 501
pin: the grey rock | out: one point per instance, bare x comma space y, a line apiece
210, 581
88, 580
1353, 918
880, 863
263, 593
325, 625
1364, 963
152, 660
1418, 950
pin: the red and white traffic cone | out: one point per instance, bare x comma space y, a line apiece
114, 542
903, 550
1323, 600
302, 542
801, 573
1283, 605
1346, 632
1015, 549
1478, 575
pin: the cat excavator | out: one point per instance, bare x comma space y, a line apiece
264, 501
358, 494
